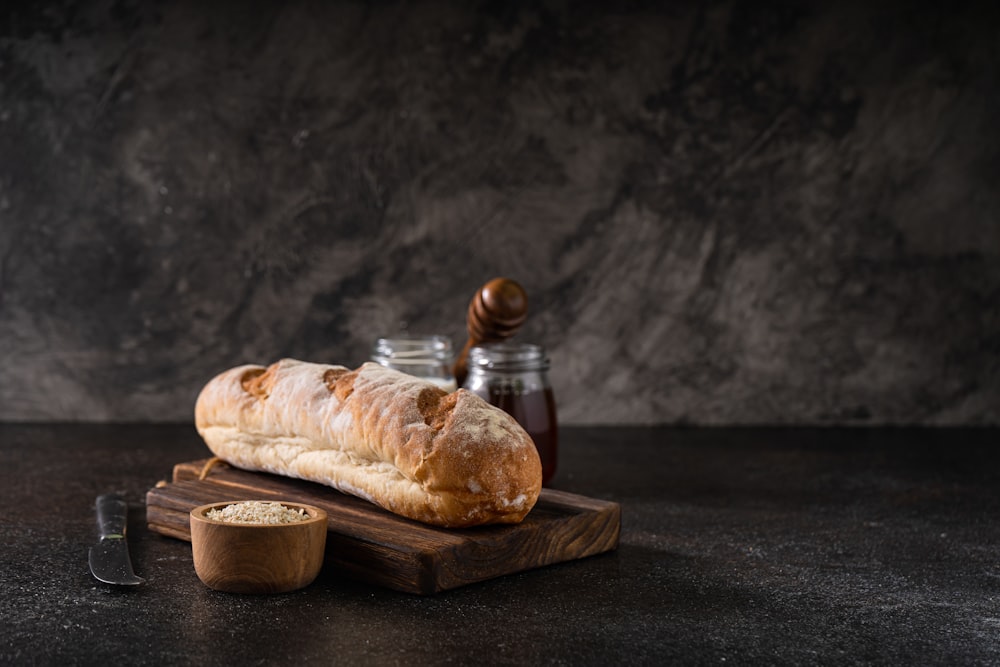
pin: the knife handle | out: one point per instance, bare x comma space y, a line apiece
111, 516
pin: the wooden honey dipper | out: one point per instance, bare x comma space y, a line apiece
495, 314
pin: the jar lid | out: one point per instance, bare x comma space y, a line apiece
508, 356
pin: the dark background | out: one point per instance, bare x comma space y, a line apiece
723, 213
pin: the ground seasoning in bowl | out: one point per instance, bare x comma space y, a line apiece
257, 511
257, 546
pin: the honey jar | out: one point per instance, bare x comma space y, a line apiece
514, 377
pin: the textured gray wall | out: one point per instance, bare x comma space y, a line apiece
722, 214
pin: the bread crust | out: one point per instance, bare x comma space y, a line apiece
446, 459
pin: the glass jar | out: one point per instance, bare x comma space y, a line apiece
514, 377
427, 357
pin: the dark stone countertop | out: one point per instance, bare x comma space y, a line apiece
778, 546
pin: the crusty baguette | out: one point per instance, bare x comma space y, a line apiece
448, 459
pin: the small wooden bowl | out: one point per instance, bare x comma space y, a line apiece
258, 557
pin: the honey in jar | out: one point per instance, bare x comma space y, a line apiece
514, 377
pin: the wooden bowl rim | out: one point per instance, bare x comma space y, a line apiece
315, 514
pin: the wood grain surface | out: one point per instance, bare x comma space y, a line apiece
368, 543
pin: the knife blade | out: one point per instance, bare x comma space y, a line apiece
109, 559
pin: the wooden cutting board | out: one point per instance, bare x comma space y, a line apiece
373, 545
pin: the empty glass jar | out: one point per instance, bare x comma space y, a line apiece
427, 357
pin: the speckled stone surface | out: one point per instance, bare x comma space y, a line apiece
754, 546
722, 212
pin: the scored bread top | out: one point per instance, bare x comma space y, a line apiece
448, 459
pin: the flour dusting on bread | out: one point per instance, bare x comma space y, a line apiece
447, 459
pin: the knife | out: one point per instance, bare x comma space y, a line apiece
109, 560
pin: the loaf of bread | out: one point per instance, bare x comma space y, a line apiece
447, 459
